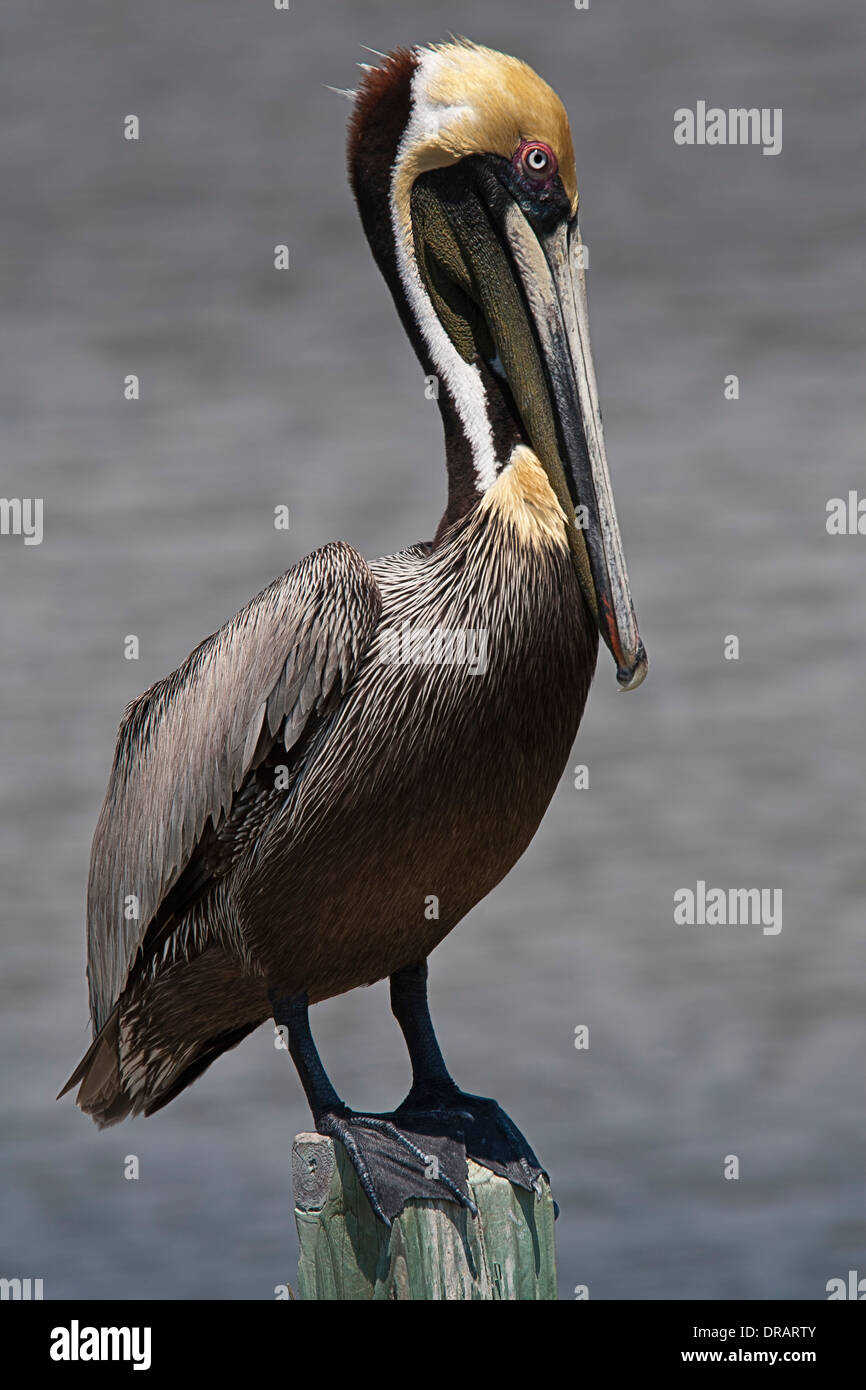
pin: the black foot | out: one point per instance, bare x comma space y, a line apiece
490, 1137
395, 1163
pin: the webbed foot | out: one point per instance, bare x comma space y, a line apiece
490, 1136
395, 1160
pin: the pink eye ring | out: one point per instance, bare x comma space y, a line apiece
536, 161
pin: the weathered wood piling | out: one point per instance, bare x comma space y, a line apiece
434, 1249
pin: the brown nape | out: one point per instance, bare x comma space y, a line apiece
376, 126
379, 118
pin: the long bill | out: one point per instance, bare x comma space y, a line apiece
551, 272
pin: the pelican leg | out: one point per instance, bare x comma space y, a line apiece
490, 1136
390, 1162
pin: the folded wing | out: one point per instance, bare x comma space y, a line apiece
185, 747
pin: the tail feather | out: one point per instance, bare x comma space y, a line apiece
209, 1051
163, 1033
101, 1091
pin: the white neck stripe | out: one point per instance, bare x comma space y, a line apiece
462, 379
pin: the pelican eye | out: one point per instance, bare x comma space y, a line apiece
536, 161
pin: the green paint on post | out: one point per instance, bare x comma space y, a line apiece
434, 1249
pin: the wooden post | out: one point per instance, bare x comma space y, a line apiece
433, 1250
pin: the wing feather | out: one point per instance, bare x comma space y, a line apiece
185, 747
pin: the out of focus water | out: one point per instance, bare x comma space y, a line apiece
260, 388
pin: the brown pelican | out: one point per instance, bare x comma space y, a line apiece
329, 783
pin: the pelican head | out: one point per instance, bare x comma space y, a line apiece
462, 164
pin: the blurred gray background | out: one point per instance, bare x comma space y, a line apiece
260, 388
